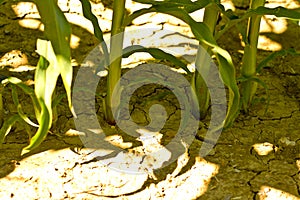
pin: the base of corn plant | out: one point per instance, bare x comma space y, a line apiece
249, 90
1, 110
249, 87
115, 57
202, 93
210, 18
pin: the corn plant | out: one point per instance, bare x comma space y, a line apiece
119, 22
115, 50
55, 57
249, 68
207, 35
1, 101
198, 83
249, 58
203, 31
55, 60
19, 116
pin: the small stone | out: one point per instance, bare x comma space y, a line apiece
285, 141
6, 32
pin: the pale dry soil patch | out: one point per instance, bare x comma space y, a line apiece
258, 158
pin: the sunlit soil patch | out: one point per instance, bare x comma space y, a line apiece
269, 193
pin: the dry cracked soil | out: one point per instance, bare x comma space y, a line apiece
257, 158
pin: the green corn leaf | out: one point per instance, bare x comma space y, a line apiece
1, 107
24, 117
21, 113
27, 129
58, 99
128, 20
46, 74
295, 21
264, 85
186, 5
19, 83
58, 31
15, 95
272, 56
243, 31
292, 14
278, 12
260, 82
45, 81
157, 54
6, 127
87, 13
28, 90
227, 70
228, 76
229, 14
154, 2
19, 107
45, 123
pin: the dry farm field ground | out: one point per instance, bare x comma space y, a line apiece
258, 158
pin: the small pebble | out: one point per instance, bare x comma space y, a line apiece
6, 32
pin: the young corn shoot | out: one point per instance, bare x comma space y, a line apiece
198, 83
1, 105
248, 69
116, 47
2, 77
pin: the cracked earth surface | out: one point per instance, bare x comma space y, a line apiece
258, 158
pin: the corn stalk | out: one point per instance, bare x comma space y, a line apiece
116, 48
198, 83
249, 62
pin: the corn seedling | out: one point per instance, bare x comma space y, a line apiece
19, 116
55, 60
55, 57
119, 22
250, 68
207, 36
22, 117
210, 18
249, 58
203, 31
115, 50
1, 101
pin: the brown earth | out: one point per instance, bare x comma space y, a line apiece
258, 158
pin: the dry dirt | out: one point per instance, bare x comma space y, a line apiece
258, 158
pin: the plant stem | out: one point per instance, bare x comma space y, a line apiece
249, 59
1, 106
116, 47
203, 64
54, 109
1, 100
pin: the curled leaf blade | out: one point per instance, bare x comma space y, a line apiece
157, 54
42, 131
6, 127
